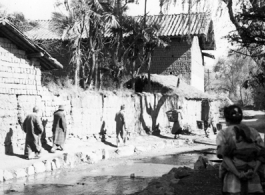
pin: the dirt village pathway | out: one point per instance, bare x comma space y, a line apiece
91, 151
88, 152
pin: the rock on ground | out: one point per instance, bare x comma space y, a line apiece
185, 181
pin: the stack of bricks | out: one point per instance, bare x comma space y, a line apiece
17, 74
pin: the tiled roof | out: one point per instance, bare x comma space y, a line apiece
43, 31
174, 25
8, 30
180, 24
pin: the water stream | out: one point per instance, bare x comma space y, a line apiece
103, 179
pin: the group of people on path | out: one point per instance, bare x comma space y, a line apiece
243, 153
241, 147
35, 132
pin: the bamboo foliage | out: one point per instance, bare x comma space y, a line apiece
105, 41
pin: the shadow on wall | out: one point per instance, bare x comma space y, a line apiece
103, 133
9, 146
43, 138
8, 142
147, 129
153, 111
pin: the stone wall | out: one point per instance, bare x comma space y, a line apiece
87, 112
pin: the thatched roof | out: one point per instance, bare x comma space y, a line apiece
171, 84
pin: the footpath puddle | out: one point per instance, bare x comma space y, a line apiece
183, 159
104, 180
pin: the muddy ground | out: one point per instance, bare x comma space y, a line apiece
111, 176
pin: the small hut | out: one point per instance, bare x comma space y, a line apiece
197, 105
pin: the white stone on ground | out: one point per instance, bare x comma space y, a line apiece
39, 167
30, 170
48, 165
7, 175
20, 173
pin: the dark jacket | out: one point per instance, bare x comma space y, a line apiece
33, 127
59, 121
120, 121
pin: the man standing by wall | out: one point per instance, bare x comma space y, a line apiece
59, 129
33, 128
120, 125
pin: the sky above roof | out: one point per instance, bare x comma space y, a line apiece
42, 9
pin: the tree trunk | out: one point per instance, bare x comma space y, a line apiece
149, 72
77, 71
95, 72
241, 96
133, 75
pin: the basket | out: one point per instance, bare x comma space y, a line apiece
172, 115
200, 124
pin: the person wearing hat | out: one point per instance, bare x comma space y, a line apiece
33, 128
59, 129
120, 125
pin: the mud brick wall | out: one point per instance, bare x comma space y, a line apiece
49, 104
87, 112
214, 110
192, 112
17, 73
197, 67
175, 60
8, 120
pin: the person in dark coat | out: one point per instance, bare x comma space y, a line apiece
177, 126
121, 126
59, 129
33, 128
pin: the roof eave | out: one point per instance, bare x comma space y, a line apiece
18, 38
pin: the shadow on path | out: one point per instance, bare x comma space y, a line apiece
46, 147
110, 144
44, 143
163, 137
18, 155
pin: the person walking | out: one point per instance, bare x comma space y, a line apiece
59, 129
33, 128
121, 130
237, 145
177, 126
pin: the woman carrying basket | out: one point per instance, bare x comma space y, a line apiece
177, 126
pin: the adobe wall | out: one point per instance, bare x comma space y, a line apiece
21, 90
197, 68
20, 85
86, 112
174, 60
18, 75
